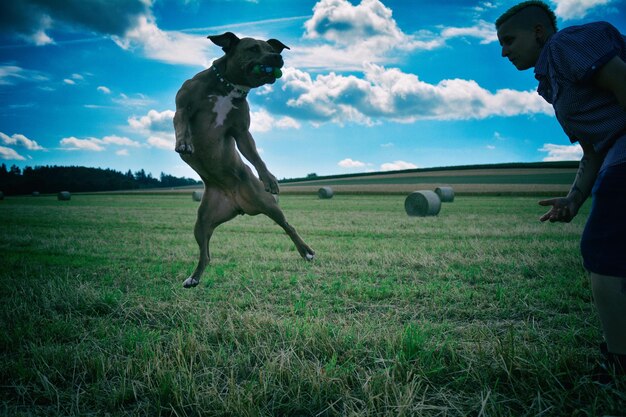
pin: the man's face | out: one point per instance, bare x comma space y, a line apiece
519, 44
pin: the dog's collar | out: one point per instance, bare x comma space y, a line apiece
239, 90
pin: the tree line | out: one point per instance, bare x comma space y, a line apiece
52, 179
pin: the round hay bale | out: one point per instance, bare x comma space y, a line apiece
422, 203
446, 194
325, 192
64, 196
197, 195
35, 193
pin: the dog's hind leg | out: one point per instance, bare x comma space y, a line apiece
256, 200
274, 212
216, 208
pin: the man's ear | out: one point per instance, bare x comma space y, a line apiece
227, 40
540, 33
277, 45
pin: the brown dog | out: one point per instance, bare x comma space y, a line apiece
212, 117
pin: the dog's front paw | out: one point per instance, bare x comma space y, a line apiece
184, 148
190, 282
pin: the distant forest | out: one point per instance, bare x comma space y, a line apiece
53, 179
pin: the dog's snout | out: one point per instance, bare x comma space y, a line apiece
274, 60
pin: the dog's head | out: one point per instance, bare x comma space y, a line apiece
250, 62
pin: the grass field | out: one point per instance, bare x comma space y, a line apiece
480, 311
516, 179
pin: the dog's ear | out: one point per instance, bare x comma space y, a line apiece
226, 40
277, 45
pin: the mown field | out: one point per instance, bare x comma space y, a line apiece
545, 178
480, 311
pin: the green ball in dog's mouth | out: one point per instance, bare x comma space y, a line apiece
259, 69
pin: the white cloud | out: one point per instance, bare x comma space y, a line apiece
576, 9
120, 141
122, 152
39, 38
342, 36
394, 95
130, 23
490, 147
287, 123
157, 127
161, 142
31, 19
94, 144
74, 144
487, 5
104, 89
10, 154
350, 163
69, 82
11, 74
498, 136
482, 30
139, 100
342, 22
397, 165
21, 141
154, 120
166, 46
262, 121
562, 152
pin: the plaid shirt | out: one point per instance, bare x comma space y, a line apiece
565, 68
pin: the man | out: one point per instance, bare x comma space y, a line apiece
582, 73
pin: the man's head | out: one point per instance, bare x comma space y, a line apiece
523, 30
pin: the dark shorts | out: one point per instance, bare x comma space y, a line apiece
603, 244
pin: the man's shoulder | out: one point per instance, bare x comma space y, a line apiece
576, 51
584, 29
581, 36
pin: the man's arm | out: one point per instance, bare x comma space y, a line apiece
247, 147
612, 77
565, 209
586, 176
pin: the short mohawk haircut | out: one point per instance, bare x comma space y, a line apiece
521, 6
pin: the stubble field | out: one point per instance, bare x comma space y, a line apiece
480, 311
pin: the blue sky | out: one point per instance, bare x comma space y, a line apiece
368, 85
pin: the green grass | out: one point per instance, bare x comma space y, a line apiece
480, 311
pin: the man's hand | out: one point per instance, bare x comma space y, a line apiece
563, 209
270, 182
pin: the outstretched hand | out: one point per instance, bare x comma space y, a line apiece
563, 210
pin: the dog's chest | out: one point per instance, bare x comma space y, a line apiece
222, 106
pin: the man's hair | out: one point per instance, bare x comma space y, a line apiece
524, 5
